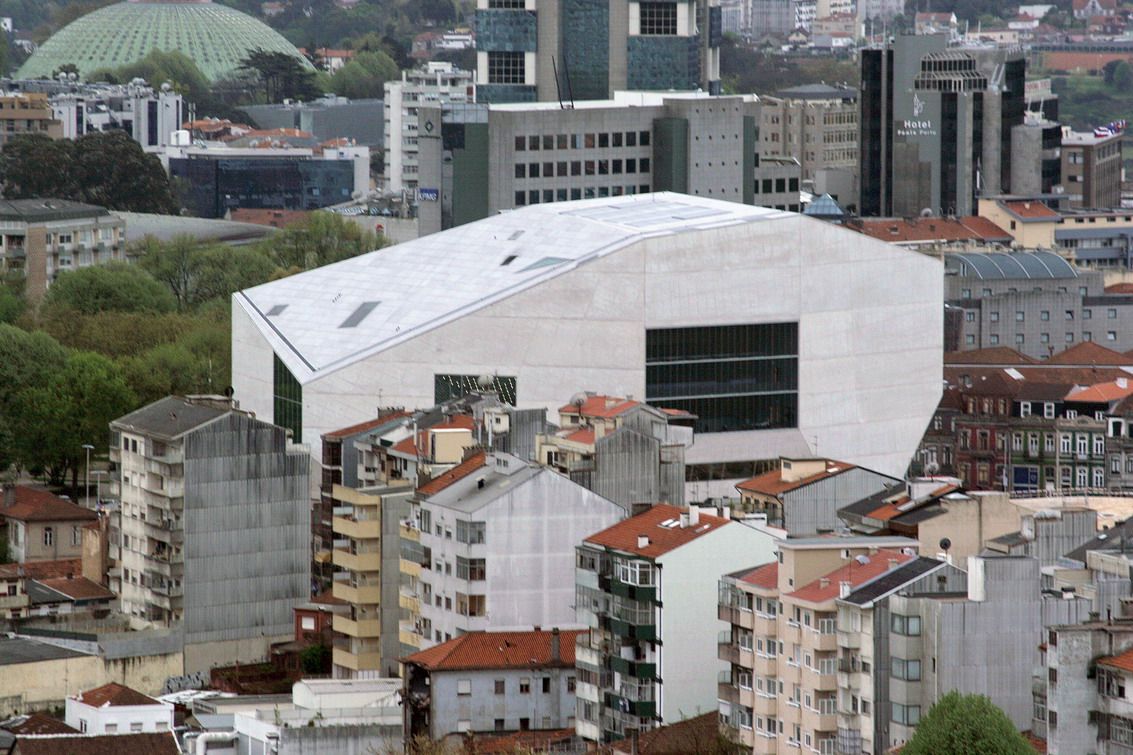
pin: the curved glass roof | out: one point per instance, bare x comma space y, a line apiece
1012, 266
214, 36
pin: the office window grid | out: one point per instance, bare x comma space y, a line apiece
287, 404
658, 19
506, 68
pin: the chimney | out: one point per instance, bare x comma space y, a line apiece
843, 589
684, 520
693, 516
823, 582
643, 541
892, 564
1122, 382
555, 647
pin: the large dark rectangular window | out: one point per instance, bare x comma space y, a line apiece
288, 400
448, 387
733, 377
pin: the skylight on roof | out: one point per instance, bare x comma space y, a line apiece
276, 310
361, 313
545, 262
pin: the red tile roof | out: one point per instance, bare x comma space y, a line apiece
766, 576
1119, 288
584, 436
455, 422
772, 483
600, 406
499, 650
40, 723
898, 230
997, 355
326, 597
1089, 353
103, 744
114, 694
828, 587
406, 446
624, 535
1025, 210
1124, 661
41, 569
362, 427
35, 505
77, 588
681, 738
1102, 393
457, 473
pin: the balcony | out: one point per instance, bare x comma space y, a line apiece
850, 640
633, 592
358, 560
358, 529
364, 628
409, 568
631, 631
360, 594
637, 669
357, 661
408, 600
627, 704
165, 530
13, 601
736, 616
406, 531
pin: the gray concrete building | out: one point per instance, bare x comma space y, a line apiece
571, 50
1034, 302
936, 125
983, 640
329, 117
491, 682
214, 526
775, 17
476, 161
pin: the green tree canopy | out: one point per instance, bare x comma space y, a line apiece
365, 76
159, 67
196, 272
966, 725
108, 168
115, 287
320, 239
282, 76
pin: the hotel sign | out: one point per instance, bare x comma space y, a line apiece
916, 126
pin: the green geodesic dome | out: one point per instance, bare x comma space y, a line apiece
214, 36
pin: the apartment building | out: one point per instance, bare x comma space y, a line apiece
40, 238
367, 528
803, 496
116, 709
213, 532
1083, 691
29, 113
436, 83
497, 538
646, 589
623, 450
1091, 168
779, 689
483, 682
817, 124
551, 50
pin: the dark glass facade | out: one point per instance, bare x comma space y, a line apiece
733, 377
211, 187
448, 387
287, 404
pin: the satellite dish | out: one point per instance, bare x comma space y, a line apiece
229, 391
862, 559
485, 382
926, 212
945, 544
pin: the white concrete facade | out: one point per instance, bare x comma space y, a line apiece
869, 319
534, 519
119, 719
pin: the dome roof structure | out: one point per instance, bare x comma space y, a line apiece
214, 36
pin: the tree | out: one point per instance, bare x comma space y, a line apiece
195, 272
966, 725
1122, 76
365, 76
114, 287
320, 239
112, 170
315, 659
283, 76
72, 408
25, 359
106, 168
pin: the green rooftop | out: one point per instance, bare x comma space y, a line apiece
214, 36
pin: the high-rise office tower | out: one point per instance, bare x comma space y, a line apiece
936, 125
545, 50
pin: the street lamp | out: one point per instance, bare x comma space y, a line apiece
98, 475
86, 489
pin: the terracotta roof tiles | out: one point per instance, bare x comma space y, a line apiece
772, 483
828, 587
1090, 353
114, 694
362, 427
104, 744
457, 473
600, 406
661, 525
41, 569
40, 723
499, 650
35, 505
765, 576
995, 355
901, 231
1025, 210
77, 588
1124, 661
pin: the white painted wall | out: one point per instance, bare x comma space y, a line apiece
688, 591
122, 718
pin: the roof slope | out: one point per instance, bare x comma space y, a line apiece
772, 482
499, 650
661, 524
103, 744
1088, 353
114, 694
457, 473
170, 417
42, 569
855, 572
994, 355
39, 723
1009, 266
380, 299
34, 505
